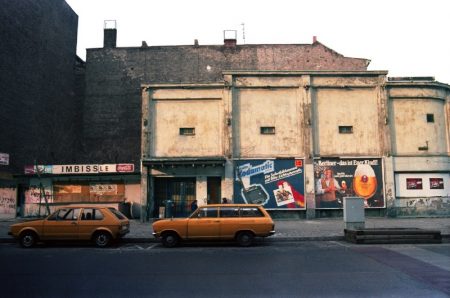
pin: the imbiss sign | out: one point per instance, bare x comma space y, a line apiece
80, 169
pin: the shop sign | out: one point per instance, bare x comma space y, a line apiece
79, 169
275, 184
339, 178
40, 169
4, 159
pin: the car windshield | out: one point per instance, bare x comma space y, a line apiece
117, 213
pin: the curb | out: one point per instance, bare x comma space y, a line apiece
445, 239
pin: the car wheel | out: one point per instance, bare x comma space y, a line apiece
28, 239
102, 239
170, 239
245, 238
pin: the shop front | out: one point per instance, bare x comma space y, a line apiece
46, 187
174, 184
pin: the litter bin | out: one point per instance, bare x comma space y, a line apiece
169, 208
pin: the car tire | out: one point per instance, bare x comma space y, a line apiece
102, 239
28, 239
170, 239
245, 238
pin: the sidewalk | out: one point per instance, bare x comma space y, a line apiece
289, 230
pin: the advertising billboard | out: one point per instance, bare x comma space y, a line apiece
338, 178
273, 183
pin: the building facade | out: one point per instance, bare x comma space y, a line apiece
298, 142
41, 92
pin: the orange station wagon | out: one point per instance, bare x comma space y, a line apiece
240, 222
99, 224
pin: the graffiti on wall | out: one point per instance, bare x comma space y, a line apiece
33, 195
8, 202
425, 206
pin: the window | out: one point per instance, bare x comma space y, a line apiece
345, 129
430, 118
91, 214
229, 212
65, 214
117, 213
267, 130
251, 212
207, 212
187, 131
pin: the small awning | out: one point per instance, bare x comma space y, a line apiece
194, 162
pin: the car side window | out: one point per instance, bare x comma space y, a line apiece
229, 212
63, 214
53, 216
207, 212
91, 214
251, 212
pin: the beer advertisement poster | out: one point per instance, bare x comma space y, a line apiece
273, 183
356, 177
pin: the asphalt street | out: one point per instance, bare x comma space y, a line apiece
268, 269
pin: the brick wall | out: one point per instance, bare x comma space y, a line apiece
37, 59
112, 112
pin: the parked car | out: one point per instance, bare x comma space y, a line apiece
241, 222
99, 224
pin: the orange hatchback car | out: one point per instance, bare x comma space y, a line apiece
99, 224
241, 222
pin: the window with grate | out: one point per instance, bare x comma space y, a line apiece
345, 129
267, 130
187, 131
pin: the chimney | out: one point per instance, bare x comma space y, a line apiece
109, 34
314, 39
229, 38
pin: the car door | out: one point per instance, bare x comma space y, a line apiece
62, 225
90, 220
230, 222
205, 225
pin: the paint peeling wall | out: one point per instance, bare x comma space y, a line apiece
172, 110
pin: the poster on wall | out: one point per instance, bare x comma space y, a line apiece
339, 178
414, 183
33, 195
60, 189
275, 184
8, 203
436, 183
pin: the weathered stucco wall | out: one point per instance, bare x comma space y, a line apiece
199, 109
353, 102
111, 122
278, 108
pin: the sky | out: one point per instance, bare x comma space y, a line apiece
404, 37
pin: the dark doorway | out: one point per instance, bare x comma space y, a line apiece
181, 191
214, 190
